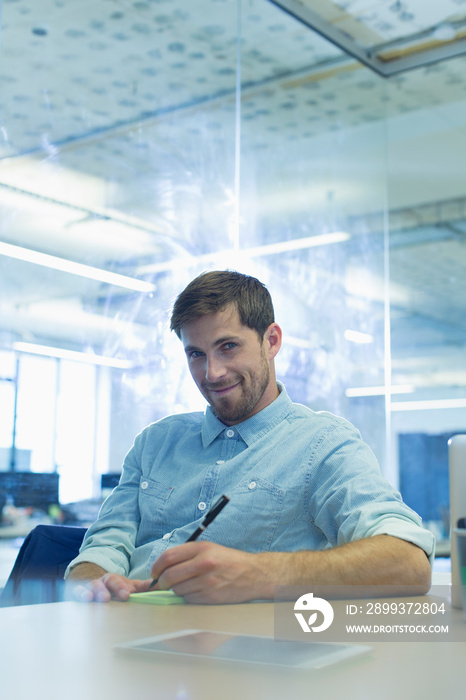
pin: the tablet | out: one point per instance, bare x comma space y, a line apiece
246, 648
156, 598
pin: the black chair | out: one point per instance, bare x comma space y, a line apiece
37, 574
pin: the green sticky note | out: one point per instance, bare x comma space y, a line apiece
156, 598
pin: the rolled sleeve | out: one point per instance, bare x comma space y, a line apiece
405, 529
350, 498
111, 540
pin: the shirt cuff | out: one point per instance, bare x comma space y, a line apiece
410, 532
97, 556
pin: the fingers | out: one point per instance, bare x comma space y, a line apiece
87, 591
178, 564
113, 586
108, 587
201, 572
208, 573
79, 592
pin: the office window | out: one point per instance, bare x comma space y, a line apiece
76, 418
62, 423
36, 411
7, 402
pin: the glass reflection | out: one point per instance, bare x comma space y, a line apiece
156, 140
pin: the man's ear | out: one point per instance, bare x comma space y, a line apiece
273, 337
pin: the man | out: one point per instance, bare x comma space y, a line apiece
308, 505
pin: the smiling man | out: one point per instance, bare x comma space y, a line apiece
231, 365
308, 505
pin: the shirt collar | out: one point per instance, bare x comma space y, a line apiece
254, 427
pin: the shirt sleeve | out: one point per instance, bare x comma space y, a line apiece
110, 541
349, 497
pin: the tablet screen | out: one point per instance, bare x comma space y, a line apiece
248, 648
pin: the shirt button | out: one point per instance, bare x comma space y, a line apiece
220, 461
167, 536
144, 485
230, 432
202, 505
252, 485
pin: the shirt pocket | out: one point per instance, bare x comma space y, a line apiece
250, 520
153, 503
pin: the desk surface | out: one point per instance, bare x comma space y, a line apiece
66, 650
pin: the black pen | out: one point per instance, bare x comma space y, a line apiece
211, 515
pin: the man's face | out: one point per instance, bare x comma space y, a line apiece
231, 366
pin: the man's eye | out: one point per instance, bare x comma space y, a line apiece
195, 353
229, 346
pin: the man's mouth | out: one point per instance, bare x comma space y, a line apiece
221, 391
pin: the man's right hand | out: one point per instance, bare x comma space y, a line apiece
88, 582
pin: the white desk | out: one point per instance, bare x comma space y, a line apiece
65, 650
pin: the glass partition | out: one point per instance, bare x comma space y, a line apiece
312, 176
144, 142
426, 175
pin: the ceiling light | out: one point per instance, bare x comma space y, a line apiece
256, 252
74, 355
358, 337
428, 404
297, 244
379, 390
74, 268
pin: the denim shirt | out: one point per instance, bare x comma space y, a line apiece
296, 479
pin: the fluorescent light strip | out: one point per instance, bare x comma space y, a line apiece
358, 337
379, 390
428, 404
256, 252
74, 355
74, 268
297, 244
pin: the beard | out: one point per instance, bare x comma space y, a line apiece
231, 410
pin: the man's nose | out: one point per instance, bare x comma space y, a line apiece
215, 369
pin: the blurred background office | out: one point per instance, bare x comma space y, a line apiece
316, 144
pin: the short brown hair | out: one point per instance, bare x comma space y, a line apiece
214, 291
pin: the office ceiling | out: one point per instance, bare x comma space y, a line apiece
388, 36
117, 120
